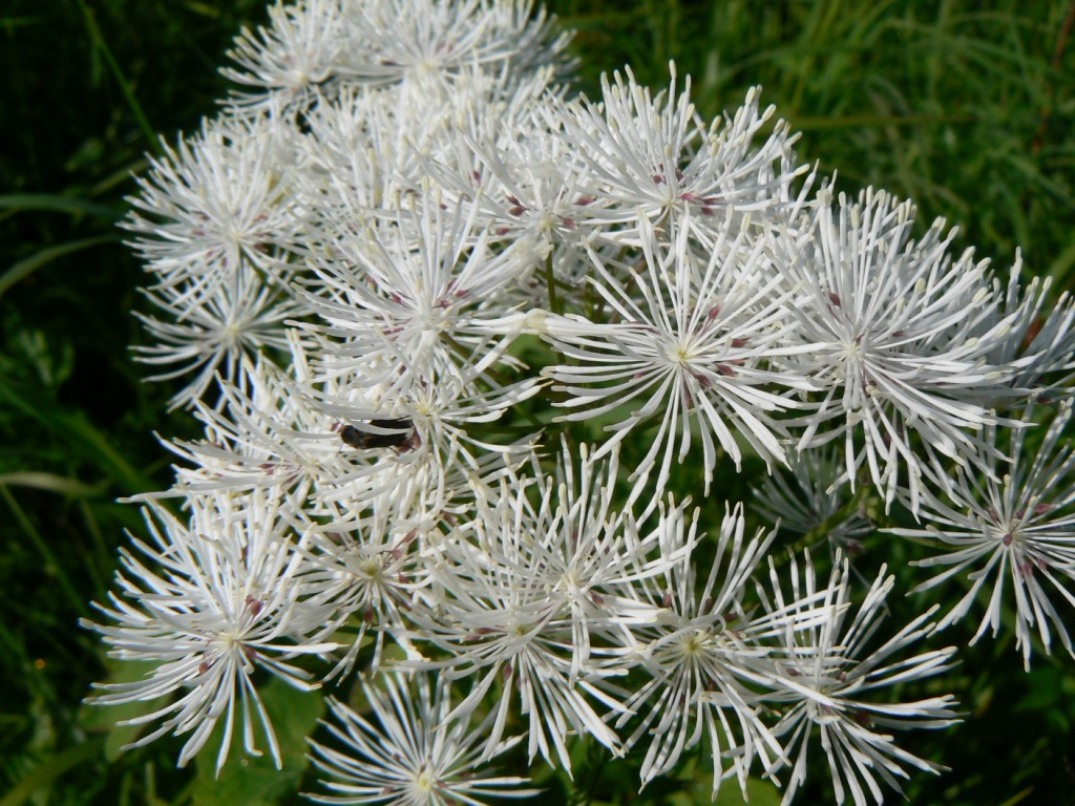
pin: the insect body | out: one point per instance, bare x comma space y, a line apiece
382, 434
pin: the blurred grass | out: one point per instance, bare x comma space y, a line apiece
968, 112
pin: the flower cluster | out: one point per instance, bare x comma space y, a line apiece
475, 356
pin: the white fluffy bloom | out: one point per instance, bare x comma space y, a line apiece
264, 434
518, 592
215, 600
653, 157
1017, 527
834, 677
215, 220
421, 752
366, 152
689, 349
214, 341
218, 205
524, 177
296, 58
407, 296
710, 656
400, 208
278, 432
313, 49
415, 40
367, 564
897, 347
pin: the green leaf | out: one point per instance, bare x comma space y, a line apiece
106, 719
761, 793
255, 780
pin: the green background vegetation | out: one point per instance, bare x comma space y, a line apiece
970, 113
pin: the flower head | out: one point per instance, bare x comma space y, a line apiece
314, 48
519, 592
833, 676
653, 157
421, 752
896, 345
215, 221
296, 58
1013, 527
220, 598
218, 205
404, 297
710, 654
695, 329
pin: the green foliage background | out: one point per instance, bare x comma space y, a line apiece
971, 113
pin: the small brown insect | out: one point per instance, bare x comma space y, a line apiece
386, 434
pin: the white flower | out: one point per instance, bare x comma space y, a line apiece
1017, 527
653, 157
443, 416
276, 432
220, 598
421, 752
418, 40
832, 676
369, 564
367, 151
515, 595
263, 434
896, 343
218, 206
710, 655
694, 331
214, 340
398, 204
359, 157
524, 177
296, 58
314, 49
374, 551
215, 221
584, 554
403, 296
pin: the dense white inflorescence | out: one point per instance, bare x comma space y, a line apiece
471, 353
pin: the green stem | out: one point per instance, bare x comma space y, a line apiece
556, 305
